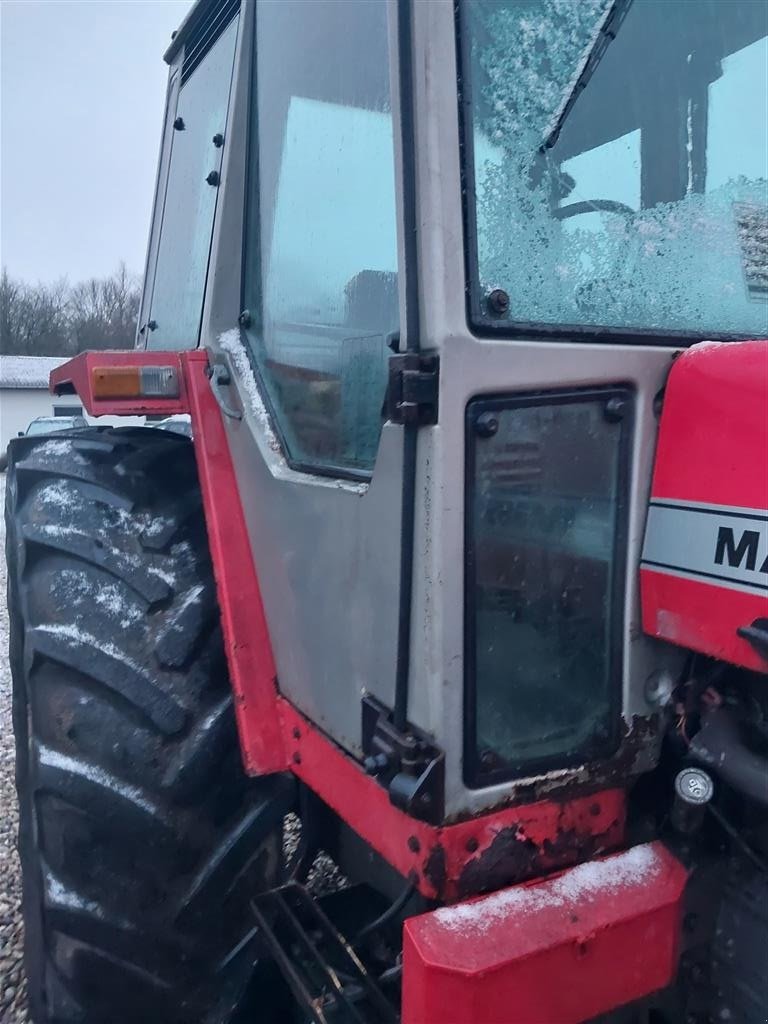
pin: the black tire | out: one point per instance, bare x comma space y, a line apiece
140, 836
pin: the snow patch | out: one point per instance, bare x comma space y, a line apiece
57, 495
640, 865
55, 759
230, 343
79, 636
156, 526
73, 587
58, 893
109, 597
191, 597
55, 448
161, 574
706, 346
52, 530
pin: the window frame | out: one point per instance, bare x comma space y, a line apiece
158, 207
479, 323
252, 199
474, 775
176, 85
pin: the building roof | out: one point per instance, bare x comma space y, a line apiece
28, 371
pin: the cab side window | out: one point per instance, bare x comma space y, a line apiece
321, 248
190, 198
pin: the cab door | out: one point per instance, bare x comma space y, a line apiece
302, 305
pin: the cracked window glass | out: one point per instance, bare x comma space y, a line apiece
619, 156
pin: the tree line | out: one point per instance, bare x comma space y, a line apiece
62, 319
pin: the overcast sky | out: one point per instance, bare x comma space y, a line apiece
83, 90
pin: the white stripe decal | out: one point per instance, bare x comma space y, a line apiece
705, 506
722, 547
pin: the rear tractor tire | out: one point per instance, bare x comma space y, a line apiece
140, 836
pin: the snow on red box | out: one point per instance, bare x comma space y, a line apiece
555, 951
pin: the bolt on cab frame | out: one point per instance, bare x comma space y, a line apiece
432, 610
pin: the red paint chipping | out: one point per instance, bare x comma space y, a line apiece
548, 834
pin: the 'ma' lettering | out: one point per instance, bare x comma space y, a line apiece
727, 549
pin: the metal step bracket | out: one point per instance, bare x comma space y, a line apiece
324, 973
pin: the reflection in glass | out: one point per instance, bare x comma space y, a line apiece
321, 255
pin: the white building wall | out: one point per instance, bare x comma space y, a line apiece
20, 405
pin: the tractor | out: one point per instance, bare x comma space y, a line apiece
459, 581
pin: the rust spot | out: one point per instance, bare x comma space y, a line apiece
413, 844
296, 732
511, 857
638, 740
472, 845
435, 869
297, 758
570, 846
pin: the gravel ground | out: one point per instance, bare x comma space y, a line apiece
13, 1003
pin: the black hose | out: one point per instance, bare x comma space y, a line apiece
719, 747
391, 912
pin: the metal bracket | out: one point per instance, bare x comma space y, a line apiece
408, 763
220, 377
328, 980
412, 389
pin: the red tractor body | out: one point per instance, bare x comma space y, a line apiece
704, 571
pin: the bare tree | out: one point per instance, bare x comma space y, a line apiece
60, 319
34, 318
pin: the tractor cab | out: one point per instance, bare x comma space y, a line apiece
468, 305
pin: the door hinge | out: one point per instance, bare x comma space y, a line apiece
412, 388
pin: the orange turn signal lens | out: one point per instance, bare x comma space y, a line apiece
135, 382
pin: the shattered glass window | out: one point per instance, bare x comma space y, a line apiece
618, 153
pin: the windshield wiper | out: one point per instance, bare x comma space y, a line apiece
605, 32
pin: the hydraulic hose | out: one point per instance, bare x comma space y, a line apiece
719, 746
